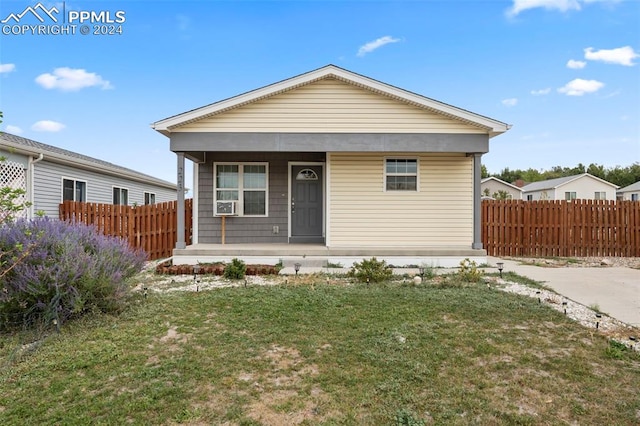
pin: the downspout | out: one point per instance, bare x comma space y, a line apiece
31, 174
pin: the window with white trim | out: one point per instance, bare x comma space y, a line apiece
634, 197
600, 195
149, 198
401, 174
74, 190
570, 195
120, 196
245, 183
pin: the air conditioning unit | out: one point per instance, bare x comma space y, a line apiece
225, 208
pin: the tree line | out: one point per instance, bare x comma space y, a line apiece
618, 175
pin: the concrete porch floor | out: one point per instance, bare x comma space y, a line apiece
318, 255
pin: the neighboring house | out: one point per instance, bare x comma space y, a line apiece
630, 193
584, 186
493, 187
354, 166
50, 175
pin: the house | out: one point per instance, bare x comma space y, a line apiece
332, 165
630, 193
497, 188
583, 186
50, 175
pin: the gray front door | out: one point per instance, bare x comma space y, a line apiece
306, 204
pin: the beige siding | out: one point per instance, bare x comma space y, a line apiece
361, 213
330, 106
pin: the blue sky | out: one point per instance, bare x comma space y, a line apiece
564, 73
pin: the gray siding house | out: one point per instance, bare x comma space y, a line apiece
50, 175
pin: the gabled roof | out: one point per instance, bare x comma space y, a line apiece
500, 181
492, 126
632, 187
13, 143
558, 182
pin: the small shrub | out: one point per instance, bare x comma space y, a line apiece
429, 272
616, 350
371, 271
469, 271
69, 269
405, 418
235, 270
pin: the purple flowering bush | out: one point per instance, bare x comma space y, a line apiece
67, 270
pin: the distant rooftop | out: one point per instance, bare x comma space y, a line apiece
9, 141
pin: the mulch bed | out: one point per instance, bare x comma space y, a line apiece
168, 268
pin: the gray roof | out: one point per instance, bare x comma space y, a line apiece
632, 187
30, 147
555, 183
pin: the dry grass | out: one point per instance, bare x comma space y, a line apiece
307, 352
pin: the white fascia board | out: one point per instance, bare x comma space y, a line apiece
494, 127
500, 181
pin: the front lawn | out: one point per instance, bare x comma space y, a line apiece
323, 354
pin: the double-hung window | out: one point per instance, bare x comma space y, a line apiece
401, 174
244, 183
74, 190
570, 195
149, 198
120, 196
600, 195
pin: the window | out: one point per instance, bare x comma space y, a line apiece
570, 195
634, 197
149, 198
244, 183
600, 195
74, 190
530, 197
120, 196
401, 175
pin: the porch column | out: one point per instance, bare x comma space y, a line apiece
477, 197
180, 240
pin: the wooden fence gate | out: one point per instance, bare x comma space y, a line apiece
579, 228
152, 228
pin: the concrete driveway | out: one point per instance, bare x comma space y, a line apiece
615, 290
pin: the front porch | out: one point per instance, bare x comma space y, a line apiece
318, 255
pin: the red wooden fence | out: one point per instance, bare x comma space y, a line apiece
578, 228
152, 228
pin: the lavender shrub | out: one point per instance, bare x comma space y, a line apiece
70, 269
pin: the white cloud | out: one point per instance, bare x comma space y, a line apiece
13, 129
47, 126
510, 102
579, 87
70, 79
5, 68
620, 56
540, 92
576, 65
561, 5
373, 45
